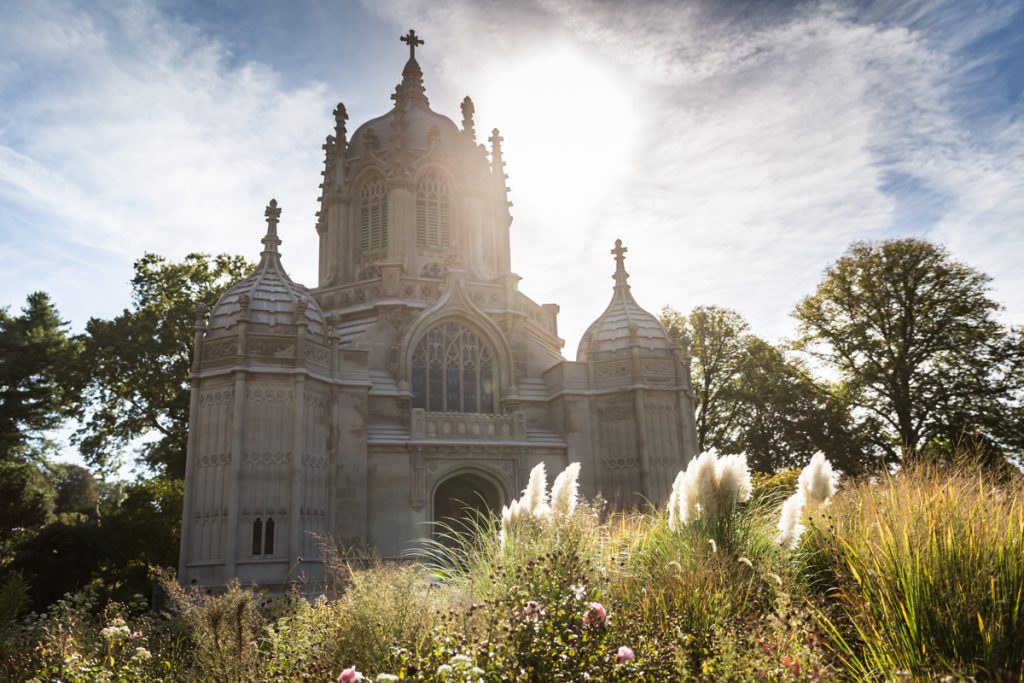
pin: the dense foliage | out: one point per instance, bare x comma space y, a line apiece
911, 577
914, 337
136, 366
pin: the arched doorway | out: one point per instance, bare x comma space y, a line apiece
462, 498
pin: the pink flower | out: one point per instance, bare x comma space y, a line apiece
625, 654
349, 674
135, 635
791, 664
532, 610
595, 615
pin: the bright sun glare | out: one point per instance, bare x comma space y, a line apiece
569, 129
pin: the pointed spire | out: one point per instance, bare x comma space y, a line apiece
271, 240
621, 276
340, 117
498, 162
411, 89
468, 127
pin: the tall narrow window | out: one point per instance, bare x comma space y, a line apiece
268, 542
452, 371
257, 537
373, 215
433, 212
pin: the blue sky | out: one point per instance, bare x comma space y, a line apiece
736, 148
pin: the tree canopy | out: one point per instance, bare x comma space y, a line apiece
36, 355
136, 366
751, 398
914, 338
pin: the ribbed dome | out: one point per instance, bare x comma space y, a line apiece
273, 299
624, 323
418, 121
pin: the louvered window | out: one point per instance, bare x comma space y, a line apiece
433, 212
373, 215
452, 371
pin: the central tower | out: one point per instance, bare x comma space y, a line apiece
410, 189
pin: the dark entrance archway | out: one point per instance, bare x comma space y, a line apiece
461, 498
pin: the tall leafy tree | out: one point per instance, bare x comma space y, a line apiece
137, 365
751, 398
36, 355
914, 338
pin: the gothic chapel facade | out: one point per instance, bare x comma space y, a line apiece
415, 377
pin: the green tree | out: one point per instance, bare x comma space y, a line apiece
77, 490
36, 356
751, 398
136, 388
26, 501
913, 336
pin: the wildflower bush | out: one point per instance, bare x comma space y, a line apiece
916, 575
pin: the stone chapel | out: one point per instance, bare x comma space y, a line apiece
415, 378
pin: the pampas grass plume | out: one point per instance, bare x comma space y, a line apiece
818, 480
565, 490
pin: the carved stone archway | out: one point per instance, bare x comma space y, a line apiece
461, 498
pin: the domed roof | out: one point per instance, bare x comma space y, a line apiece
413, 115
624, 323
269, 294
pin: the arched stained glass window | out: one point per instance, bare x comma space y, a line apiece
452, 371
433, 211
373, 215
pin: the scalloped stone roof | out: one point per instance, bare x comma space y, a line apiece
418, 119
624, 322
273, 297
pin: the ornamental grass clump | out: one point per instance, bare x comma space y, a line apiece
709, 489
930, 563
814, 490
538, 503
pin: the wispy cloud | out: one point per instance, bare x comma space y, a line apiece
765, 138
124, 130
773, 136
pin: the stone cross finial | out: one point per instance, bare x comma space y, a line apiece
619, 252
273, 214
412, 40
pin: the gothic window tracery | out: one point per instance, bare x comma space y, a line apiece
453, 371
373, 215
433, 211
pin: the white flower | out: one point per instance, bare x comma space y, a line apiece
460, 662
790, 521
535, 495
386, 678
565, 491
142, 654
818, 480
444, 671
115, 633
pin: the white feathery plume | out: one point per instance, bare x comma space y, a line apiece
790, 526
535, 495
703, 480
677, 502
734, 485
818, 480
565, 490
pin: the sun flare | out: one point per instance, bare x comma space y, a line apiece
569, 126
